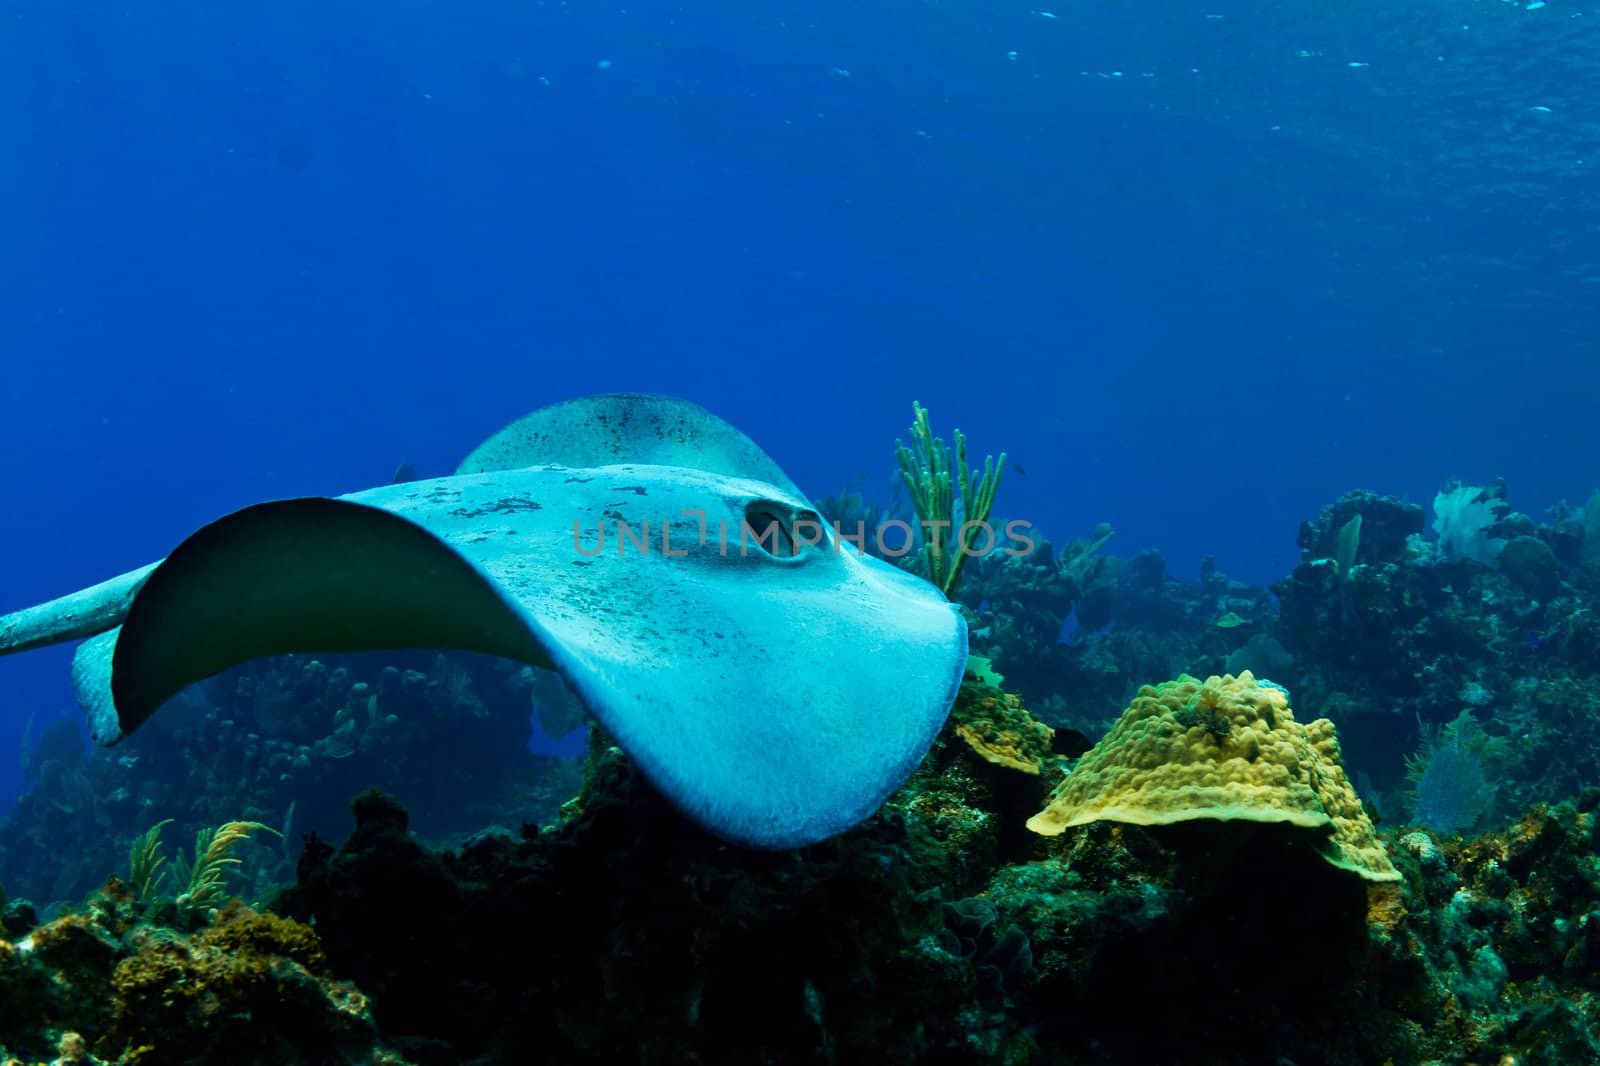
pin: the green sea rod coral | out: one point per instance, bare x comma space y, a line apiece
200, 885
145, 861
949, 533
213, 854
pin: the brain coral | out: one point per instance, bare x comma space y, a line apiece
1226, 748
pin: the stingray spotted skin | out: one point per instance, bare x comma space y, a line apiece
775, 691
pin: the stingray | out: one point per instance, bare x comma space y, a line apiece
774, 683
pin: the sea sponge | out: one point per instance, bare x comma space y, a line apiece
241, 931
252, 988
1227, 748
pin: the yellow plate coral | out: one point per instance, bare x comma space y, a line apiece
1227, 748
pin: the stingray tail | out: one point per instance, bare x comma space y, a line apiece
85, 613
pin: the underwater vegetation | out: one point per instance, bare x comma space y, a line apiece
1450, 786
285, 742
952, 502
1131, 836
941, 929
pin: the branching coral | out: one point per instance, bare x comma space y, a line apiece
145, 861
949, 535
200, 884
213, 849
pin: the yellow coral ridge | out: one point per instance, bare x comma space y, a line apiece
1226, 748
1001, 748
996, 724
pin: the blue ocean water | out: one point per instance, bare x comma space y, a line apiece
1196, 268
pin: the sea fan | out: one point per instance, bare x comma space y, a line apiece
1451, 788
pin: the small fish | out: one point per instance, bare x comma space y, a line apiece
1016, 468
403, 473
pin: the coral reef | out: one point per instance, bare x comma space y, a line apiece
110, 984
1420, 630
940, 930
866, 947
1378, 629
780, 955
1212, 889
1225, 749
996, 725
285, 742
1129, 621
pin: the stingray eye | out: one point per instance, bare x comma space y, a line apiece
779, 531
765, 531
